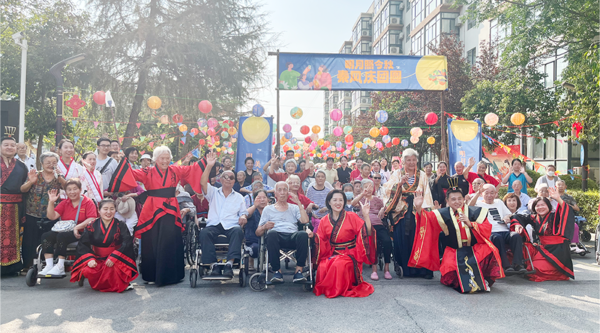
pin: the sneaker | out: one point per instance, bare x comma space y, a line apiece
228, 271
45, 270
374, 276
129, 287
577, 250
387, 276
509, 270
57, 271
216, 270
277, 278
520, 269
299, 278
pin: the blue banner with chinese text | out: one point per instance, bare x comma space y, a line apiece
464, 141
298, 71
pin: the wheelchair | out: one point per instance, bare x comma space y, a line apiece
39, 263
198, 269
259, 281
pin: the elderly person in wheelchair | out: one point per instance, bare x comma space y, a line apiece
227, 215
280, 223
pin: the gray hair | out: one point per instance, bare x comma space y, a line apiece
457, 163
48, 154
320, 171
282, 184
409, 152
513, 183
293, 177
161, 150
258, 182
291, 160
561, 181
365, 182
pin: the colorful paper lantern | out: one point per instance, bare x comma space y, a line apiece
430, 140
224, 134
288, 135
194, 132
212, 123
395, 141
320, 142
338, 131
316, 129
183, 127
404, 143
381, 116
287, 128
293, 140
304, 129
347, 129
100, 97
386, 139
201, 122
205, 106
211, 132
378, 145
154, 102
296, 112
359, 145
308, 139
431, 118
372, 143
164, 119
491, 119
414, 139
201, 142
517, 119
232, 130
374, 132
177, 118
258, 110
368, 151
335, 114
349, 138
314, 137
388, 145
383, 130
416, 132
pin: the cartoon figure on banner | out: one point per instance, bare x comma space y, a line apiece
303, 83
322, 79
288, 79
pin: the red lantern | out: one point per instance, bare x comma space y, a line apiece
395, 141
211, 132
177, 118
368, 151
205, 106
349, 138
383, 131
100, 97
326, 144
431, 118
304, 129
307, 140
389, 145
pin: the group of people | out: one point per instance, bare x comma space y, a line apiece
423, 220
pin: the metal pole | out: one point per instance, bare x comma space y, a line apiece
22, 93
59, 110
444, 149
277, 141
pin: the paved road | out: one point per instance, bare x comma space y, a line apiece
399, 305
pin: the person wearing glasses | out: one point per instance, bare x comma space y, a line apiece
105, 164
377, 189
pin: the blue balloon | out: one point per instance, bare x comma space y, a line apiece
381, 116
288, 135
258, 110
293, 140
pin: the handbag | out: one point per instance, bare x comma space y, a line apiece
68, 225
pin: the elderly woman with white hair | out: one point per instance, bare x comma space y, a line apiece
317, 192
159, 225
398, 198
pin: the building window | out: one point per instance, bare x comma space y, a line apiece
449, 23
561, 64
384, 44
472, 56
407, 33
377, 27
366, 47
562, 149
550, 146
549, 71
538, 149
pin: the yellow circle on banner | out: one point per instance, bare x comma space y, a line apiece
431, 73
255, 129
464, 130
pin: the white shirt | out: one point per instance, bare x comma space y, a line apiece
28, 161
496, 212
108, 172
224, 210
524, 200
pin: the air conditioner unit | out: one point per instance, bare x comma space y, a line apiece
394, 50
458, 23
395, 20
401, 7
365, 33
347, 94
364, 101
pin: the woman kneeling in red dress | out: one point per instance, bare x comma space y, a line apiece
343, 243
105, 253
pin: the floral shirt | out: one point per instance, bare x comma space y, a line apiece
37, 200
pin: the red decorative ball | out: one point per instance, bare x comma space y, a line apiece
395, 141
99, 97
304, 129
205, 106
431, 118
383, 131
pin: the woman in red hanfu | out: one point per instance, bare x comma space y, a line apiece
105, 253
159, 225
343, 243
471, 262
552, 232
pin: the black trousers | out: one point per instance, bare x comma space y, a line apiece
56, 242
209, 235
384, 242
162, 253
500, 239
32, 237
277, 240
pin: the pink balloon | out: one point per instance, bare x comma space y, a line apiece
379, 145
338, 131
212, 123
335, 114
287, 128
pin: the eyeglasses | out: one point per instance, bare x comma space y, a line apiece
104, 146
227, 177
376, 177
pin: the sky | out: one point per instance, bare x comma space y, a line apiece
308, 26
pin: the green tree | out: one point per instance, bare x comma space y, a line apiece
182, 51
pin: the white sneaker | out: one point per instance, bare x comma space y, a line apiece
45, 270
57, 271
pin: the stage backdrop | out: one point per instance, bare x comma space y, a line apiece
464, 141
297, 71
254, 140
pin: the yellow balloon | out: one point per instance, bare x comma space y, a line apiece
430, 140
374, 132
359, 145
255, 129
218, 149
154, 102
320, 142
464, 130
315, 129
517, 119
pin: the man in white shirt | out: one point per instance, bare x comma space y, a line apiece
227, 214
106, 165
517, 186
22, 156
330, 173
499, 217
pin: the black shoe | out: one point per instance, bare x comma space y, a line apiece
216, 271
299, 278
520, 269
509, 270
428, 276
228, 271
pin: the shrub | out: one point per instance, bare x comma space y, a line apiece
588, 203
575, 184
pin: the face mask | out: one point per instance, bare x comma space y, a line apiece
550, 173
349, 195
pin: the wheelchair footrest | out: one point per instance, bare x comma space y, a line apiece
48, 276
216, 278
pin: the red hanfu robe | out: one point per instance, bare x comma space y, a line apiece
552, 254
341, 249
101, 243
11, 211
470, 257
159, 224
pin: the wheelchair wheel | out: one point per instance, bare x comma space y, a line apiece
380, 262
191, 243
398, 270
258, 282
193, 278
242, 276
307, 287
585, 236
31, 278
